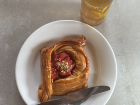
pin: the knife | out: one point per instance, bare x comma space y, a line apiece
78, 96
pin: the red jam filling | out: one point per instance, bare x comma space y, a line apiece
62, 65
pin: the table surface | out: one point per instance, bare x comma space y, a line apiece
19, 18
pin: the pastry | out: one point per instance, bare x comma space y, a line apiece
64, 68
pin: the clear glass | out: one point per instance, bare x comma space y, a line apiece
93, 12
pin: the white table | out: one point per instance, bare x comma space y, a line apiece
19, 18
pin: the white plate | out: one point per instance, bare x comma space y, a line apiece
103, 67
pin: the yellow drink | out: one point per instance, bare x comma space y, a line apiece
93, 12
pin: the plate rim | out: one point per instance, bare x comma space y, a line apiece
115, 80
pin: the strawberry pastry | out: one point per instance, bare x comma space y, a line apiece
64, 68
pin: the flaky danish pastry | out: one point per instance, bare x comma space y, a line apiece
64, 68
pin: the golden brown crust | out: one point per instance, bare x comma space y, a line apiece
76, 81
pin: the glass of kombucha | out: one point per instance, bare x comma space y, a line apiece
93, 12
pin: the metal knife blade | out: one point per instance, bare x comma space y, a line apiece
99, 90
78, 95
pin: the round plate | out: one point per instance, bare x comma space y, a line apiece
103, 67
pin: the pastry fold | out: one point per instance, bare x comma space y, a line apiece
77, 80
